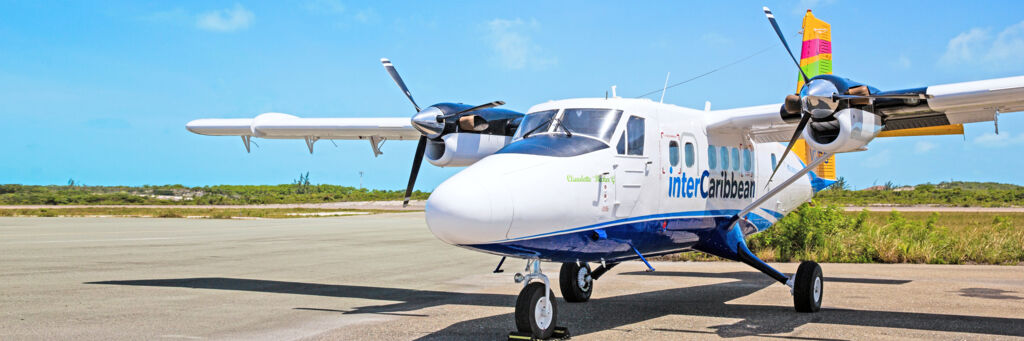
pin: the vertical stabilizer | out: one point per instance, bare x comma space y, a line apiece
815, 59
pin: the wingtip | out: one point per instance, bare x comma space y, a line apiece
385, 61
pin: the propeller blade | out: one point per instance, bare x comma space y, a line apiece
796, 135
479, 107
416, 162
398, 80
778, 31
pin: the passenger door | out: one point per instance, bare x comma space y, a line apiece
632, 166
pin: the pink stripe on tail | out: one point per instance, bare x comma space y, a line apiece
815, 47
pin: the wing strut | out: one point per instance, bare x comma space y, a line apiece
776, 190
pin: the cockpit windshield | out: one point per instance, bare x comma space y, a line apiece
596, 123
537, 122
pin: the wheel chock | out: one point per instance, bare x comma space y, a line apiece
560, 333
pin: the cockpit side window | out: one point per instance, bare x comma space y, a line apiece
635, 135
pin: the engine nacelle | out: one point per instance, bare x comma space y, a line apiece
463, 149
850, 130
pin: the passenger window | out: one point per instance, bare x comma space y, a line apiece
690, 157
735, 159
673, 153
774, 162
746, 160
712, 160
635, 134
621, 147
725, 158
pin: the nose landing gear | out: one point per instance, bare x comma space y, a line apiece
536, 311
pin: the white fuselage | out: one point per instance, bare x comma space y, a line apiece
519, 196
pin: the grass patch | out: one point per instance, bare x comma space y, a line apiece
144, 212
299, 192
829, 234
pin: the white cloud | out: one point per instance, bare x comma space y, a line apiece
996, 141
978, 46
965, 46
513, 46
225, 20
922, 147
1009, 44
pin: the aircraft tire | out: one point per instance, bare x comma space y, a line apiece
576, 282
808, 287
531, 315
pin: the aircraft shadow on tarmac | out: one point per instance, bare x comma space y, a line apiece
614, 312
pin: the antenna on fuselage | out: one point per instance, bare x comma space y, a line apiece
707, 105
613, 92
664, 88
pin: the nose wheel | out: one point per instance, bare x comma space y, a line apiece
536, 311
576, 282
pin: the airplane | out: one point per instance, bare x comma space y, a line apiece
601, 181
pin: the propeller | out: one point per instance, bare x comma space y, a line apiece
431, 124
778, 31
398, 80
804, 116
421, 147
821, 96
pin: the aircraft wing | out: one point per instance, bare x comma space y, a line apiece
284, 126
947, 104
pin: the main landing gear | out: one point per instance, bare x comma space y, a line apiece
806, 286
577, 280
807, 290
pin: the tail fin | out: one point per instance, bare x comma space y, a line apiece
815, 59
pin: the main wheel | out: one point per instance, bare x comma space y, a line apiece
535, 314
807, 287
576, 282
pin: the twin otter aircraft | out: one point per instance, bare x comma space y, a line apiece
605, 180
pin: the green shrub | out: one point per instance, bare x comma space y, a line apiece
828, 234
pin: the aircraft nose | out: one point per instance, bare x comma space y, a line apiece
469, 208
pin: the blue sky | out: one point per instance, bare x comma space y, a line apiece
100, 91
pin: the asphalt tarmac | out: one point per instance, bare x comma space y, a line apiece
385, 277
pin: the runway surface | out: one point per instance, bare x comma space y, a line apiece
385, 277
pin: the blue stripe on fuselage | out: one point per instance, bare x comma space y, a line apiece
651, 235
